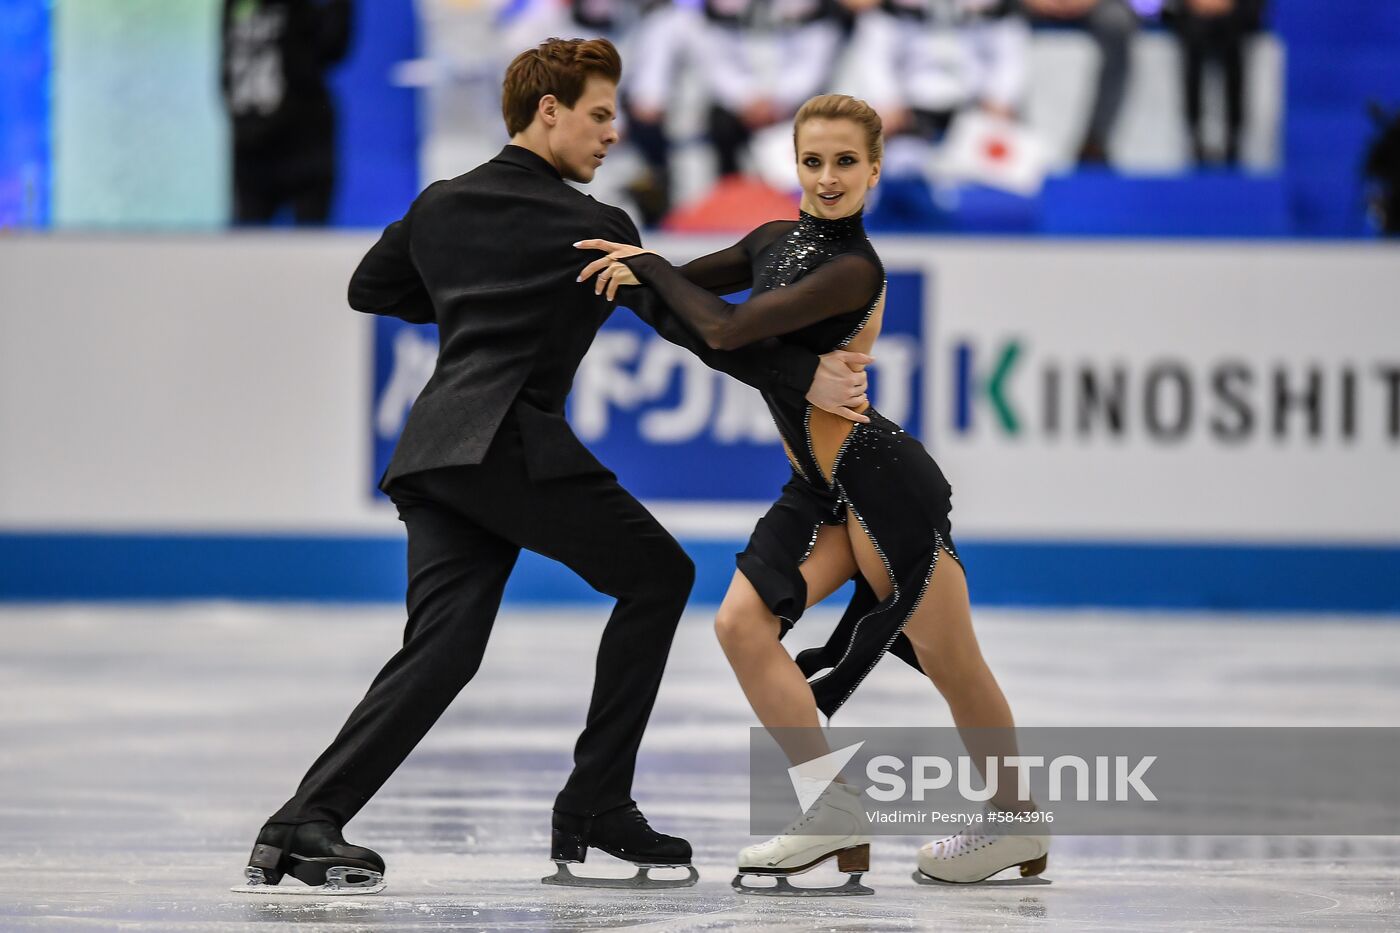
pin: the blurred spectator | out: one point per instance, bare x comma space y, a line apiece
654, 54
1383, 168
1215, 31
1112, 24
808, 36
275, 57
595, 17
923, 60
521, 24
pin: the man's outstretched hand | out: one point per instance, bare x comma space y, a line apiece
840, 383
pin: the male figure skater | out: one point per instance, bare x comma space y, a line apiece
487, 465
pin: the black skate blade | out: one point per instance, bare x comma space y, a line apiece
781, 887
921, 878
641, 881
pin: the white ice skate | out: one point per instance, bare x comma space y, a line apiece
834, 826
974, 855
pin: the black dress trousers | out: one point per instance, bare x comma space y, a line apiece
466, 526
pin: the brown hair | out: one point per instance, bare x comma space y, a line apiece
844, 107
557, 66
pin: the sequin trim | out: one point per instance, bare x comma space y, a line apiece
891, 599
812, 449
841, 451
796, 462
812, 543
918, 601
869, 312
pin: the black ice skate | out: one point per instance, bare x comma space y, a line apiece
316, 855
622, 833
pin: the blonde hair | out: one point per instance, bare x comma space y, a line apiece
844, 107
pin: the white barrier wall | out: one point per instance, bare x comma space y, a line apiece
1165, 390
1141, 391
182, 384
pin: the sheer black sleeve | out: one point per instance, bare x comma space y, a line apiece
845, 283
767, 368
731, 270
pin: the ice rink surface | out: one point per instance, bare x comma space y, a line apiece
144, 745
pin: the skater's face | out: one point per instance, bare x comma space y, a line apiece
580, 136
834, 167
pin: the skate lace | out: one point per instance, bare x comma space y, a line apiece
962, 843
795, 827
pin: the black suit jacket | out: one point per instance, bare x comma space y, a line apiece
489, 257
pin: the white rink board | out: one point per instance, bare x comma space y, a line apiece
220, 383
1260, 389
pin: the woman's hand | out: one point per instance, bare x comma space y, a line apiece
615, 252
614, 277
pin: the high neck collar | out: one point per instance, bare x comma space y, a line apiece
527, 159
831, 228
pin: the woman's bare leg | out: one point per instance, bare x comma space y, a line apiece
770, 678
940, 631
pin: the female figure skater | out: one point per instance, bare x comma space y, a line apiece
865, 501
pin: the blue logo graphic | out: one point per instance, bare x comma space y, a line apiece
670, 427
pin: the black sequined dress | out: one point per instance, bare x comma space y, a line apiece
817, 283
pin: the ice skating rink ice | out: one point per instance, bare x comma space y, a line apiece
143, 745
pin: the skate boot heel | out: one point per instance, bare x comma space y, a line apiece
567, 847
853, 860
1034, 867
264, 865
265, 857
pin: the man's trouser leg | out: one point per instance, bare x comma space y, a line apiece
456, 573
598, 530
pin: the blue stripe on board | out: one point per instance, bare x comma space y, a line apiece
1247, 577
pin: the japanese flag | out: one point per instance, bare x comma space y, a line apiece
994, 151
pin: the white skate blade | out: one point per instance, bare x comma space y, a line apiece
301, 890
641, 881
921, 878
781, 887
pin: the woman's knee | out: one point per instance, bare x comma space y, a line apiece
740, 627
951, 669
947, 652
